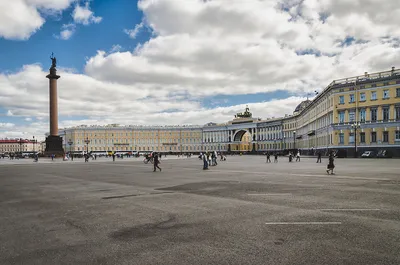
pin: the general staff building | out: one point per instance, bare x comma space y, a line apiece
352, 114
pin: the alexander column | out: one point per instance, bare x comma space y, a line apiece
53, 141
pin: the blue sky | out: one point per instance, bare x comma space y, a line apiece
117, 14
181, 62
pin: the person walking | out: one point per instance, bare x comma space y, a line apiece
86, 158
331, 164
215, 155
113, 156
298, 156
319, 157
205, 161
52, 157
276, 158
268, 157
290, 157
156, 162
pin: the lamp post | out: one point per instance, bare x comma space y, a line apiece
355, 126
20, 145
87, 141
70, 143
33, 144
283, 143
294, 140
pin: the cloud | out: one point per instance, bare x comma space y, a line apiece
116, 48
83, 15
19, 19
103, 102
132, 33
252, 46
67, 30
6, 125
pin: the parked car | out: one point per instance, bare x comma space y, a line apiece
368, 154
384, 154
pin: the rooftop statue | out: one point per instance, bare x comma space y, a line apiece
246, 114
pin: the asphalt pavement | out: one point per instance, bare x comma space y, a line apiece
242, 211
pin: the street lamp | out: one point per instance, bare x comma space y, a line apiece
355, 126
283, 142
294, 140
87, 141
20, 145
70, 143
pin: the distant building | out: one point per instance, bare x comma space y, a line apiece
17, 146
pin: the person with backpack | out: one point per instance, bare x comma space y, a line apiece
331, 164
156, 162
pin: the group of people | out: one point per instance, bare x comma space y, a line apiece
291, 156
269, 158
330, 166
210, 159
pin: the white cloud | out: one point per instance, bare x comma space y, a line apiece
132, 33
19, 19
4, 125
83, 15
103, 102
115, 48
67, 31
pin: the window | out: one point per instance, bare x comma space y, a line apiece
362, 137
341, 117
373, 85
397, 92
373, 114
362, 97
373, 137
385, 113
373, 95
385, 137
397, 112
341, 99
351, 138
352, 116
351, 98
385, 93
397, 136
362, 115
341, 138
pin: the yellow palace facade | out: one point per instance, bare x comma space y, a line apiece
353, 115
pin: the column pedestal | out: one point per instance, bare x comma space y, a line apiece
54, 146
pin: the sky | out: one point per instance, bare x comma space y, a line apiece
176, 62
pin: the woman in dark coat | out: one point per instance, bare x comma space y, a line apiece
331, 164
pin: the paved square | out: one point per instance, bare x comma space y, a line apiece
242, 211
